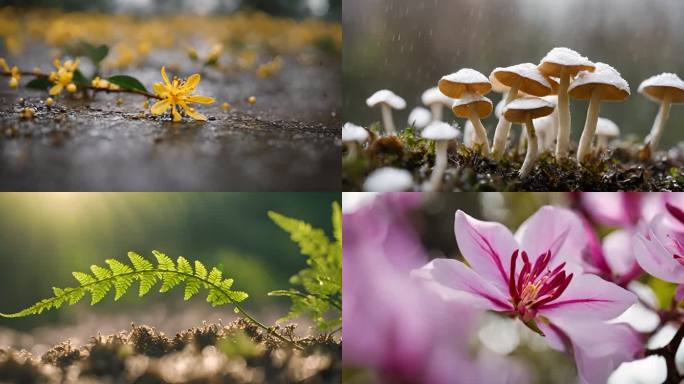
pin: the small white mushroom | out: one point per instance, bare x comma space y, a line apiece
544, 128
525, 110
420, 117
604, 84
388, 179
564, 63
353, 136
524, 78
436, 101
474, 107
606, 130
387, 100
666, 89
469, 134
441, 133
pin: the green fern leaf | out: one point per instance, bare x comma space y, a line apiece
121, 276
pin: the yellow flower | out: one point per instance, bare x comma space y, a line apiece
3, 65
16, 76
63, 77
177, 93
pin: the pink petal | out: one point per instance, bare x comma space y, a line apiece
453, 280
679, 293
618, 251
556, 229
487, 246
590, 297
655, 259
618, 209
599, 347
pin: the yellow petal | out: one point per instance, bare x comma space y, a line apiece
160, 107
193, 113
200, 99
57, 63
160, 89
176, 115
56, 89
192, 82
166, 78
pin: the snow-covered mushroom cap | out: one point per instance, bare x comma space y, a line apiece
465, 80
388, 179
659, 86
420, 117
606, 127
605, 79
519, 110
439, 130
526, 76
557, 58
435, 96
354, 133
482, 105
387, 97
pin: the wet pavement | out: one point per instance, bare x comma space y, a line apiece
288, 140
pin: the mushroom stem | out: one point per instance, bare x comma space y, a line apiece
601, 143
352, 150
589, 127
563, 142
522, 140
440, 164
659, 123
480, 132
436, 110
503, 127
387, 119
532, 149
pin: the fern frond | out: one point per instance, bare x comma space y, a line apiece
121, 276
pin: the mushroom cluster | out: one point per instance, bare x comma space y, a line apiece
534, 96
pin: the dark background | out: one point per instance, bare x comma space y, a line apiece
407, 46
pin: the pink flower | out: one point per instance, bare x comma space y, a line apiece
615, 209
394, 324
613, 259
535, 276
660, 248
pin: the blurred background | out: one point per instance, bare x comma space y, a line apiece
46, 236
407, 46
331, 9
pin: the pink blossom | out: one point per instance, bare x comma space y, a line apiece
394, 324
535, 276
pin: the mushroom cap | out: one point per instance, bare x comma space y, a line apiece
388, 179
434, 96
530, 80
606, 127
557, 58
386, 97
482, 105
658, 86
439, 130
420, 117
465, 80
519, 110
354, 133
605, 79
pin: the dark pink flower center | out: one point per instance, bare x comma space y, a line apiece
536, 284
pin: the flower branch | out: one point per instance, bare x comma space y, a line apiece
669, 352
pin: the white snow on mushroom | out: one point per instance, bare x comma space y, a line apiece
387, 100
666, 89
420, 117
441, 133
388, 179
353, 136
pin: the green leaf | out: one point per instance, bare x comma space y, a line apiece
127, 82
41, 83
121, 276
97, 54
80, 79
